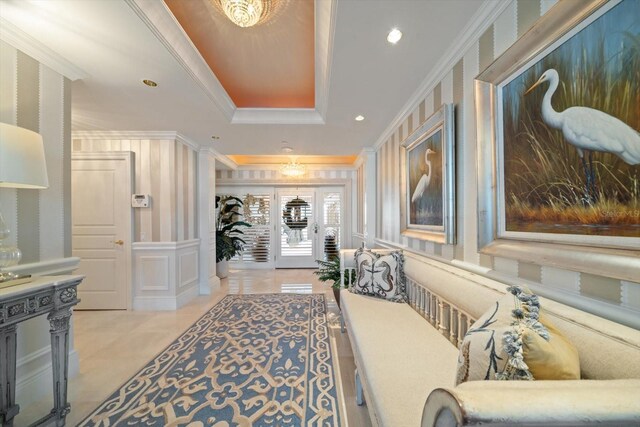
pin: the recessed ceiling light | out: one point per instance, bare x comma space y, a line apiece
150, 83
359, 118
287, 149
394, 36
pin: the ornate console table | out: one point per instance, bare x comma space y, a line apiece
55, 295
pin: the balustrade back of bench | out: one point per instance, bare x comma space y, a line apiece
445, 316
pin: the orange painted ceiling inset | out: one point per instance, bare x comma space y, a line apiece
278, 160
269, 65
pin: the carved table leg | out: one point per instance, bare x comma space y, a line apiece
59, 322
8, 407
359, 392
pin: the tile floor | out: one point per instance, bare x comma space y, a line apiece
114, 345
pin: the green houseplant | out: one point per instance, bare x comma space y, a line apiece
228, 232
329, 271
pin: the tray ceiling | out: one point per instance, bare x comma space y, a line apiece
270, 65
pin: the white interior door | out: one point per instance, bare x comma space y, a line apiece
101, 188
297, 233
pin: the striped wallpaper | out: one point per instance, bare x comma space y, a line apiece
35, 97
456, 86
360, 220
272, 173
166, 169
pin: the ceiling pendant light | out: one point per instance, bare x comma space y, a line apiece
243, 13
293, 169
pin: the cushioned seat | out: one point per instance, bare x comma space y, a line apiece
401, 356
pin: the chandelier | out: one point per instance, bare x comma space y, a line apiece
245, 13
293, 169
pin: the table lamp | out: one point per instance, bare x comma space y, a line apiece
22, 165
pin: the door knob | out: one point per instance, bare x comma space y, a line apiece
119, 242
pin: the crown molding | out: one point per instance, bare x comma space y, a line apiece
123, 134
364, 153
22, 41
159, 19
311, 167
170, 135
188, 142
277, 116
481, 20
325, 22
227, 161
208, 150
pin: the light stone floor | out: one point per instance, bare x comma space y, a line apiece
114, 345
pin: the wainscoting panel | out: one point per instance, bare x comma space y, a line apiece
188, 268
153, 272
165, 274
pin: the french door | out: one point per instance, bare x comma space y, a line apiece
309, 227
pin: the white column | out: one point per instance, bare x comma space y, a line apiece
370, 192
209, 282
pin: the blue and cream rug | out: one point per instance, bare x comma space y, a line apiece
252, 360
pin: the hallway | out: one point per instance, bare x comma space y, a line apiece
114, 345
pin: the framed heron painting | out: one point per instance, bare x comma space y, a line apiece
428, 199
558, 120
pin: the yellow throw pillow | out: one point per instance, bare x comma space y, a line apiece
512, 340
553, 359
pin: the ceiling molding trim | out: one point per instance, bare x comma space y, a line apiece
209, 150
154, 135
363, 154
159, 19
325, 21
481, 20
225, 160
187, 142
277, 116
123, 134
17, 38
313, 167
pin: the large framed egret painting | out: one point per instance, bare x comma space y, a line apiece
558, 118
428, 199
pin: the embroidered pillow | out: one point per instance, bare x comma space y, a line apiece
512, 341
379, 275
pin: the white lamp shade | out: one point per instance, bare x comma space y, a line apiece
22, 162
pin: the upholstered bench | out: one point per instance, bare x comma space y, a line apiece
406, 357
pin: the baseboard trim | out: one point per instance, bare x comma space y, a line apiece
165, 303
38, 383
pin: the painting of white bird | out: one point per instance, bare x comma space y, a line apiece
570, 133
588, 129
424, 192
425, 179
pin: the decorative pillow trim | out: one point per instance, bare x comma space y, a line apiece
526, 315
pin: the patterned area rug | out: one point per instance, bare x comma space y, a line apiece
252, 360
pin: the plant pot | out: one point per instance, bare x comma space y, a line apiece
222, 269
336, 295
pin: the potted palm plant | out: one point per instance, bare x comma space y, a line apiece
228, 232
329, 271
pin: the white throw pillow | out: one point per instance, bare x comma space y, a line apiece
381, 276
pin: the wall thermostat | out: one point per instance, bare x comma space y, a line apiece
140, 200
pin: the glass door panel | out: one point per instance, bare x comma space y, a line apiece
297, 229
